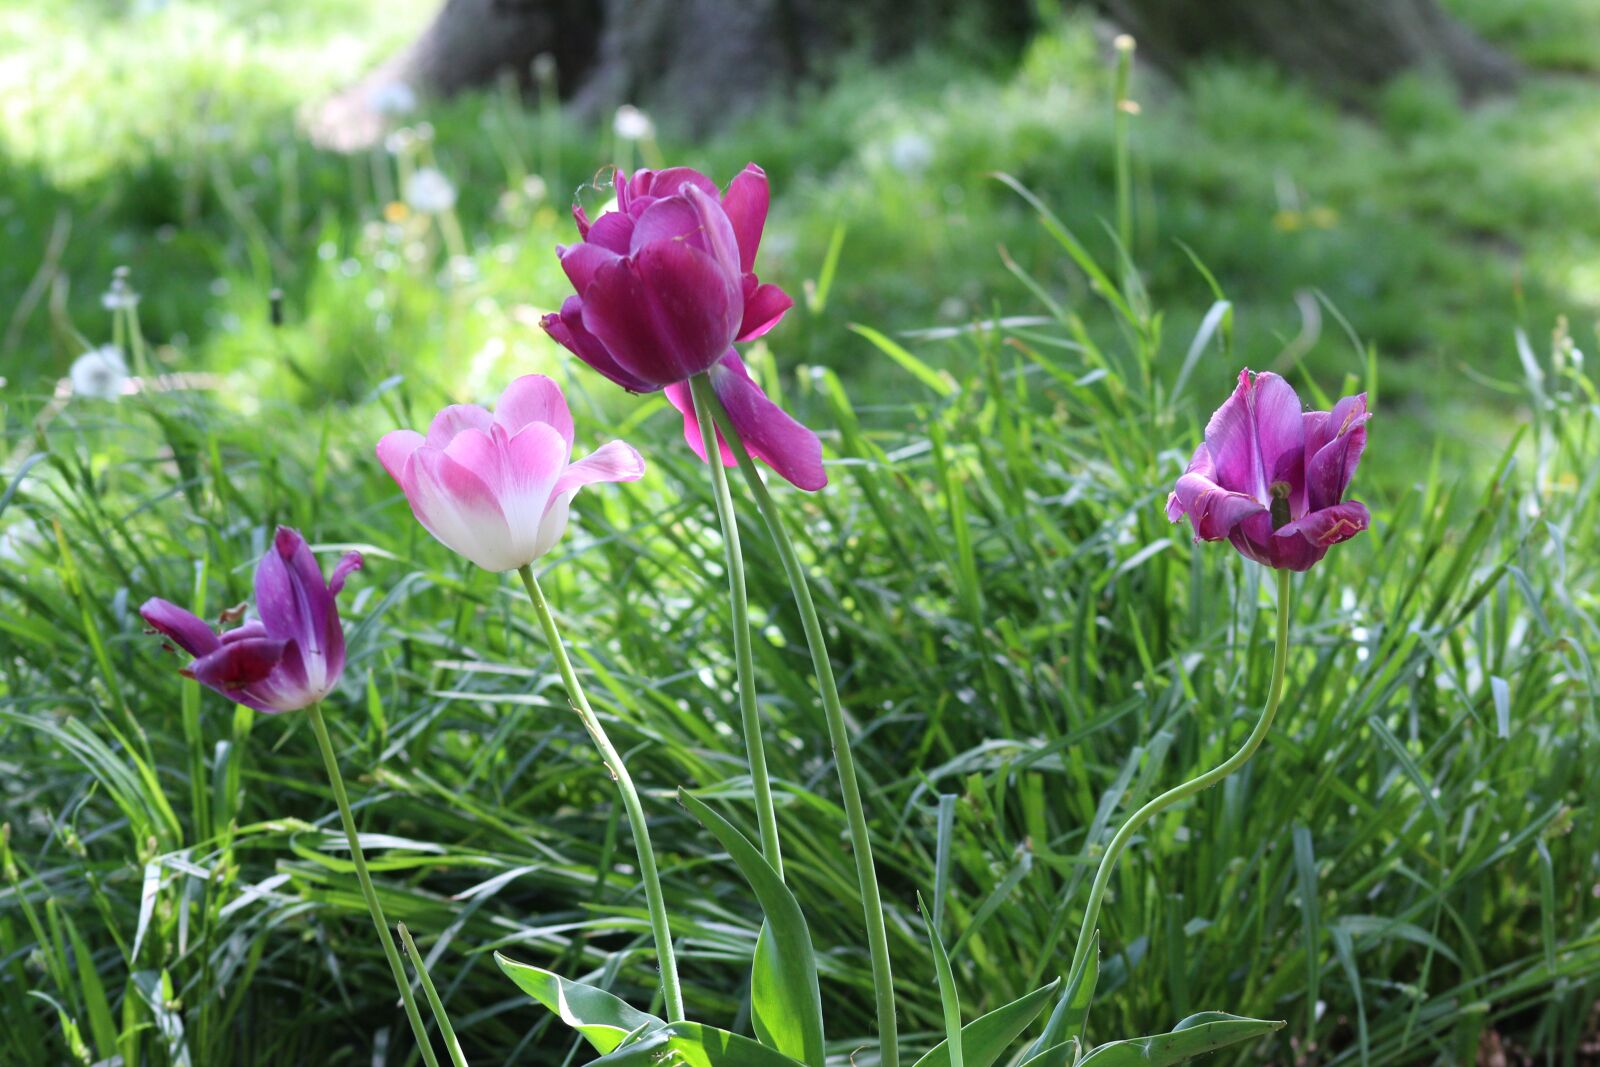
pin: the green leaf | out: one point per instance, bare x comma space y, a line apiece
1072, 1012
785, 1003
1055, 1056
948, 998
1205, 1032
689, 1044
603, 1019
988, 1037
938, 381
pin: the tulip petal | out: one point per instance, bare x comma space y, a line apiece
1212, 510
534, 459
746, 203
568, 331
614, 461
454, 419
1257, 437
534, 398
667, 315
1334, 443
580, 261
554, 523
764, 306
672, 219
237, 667
395, 447
716, 231
1328, 526
293, 601
455, 505
248, 631
350, 561
669, 181
185, 628
612, 231
769, 432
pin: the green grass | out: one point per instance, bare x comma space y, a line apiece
1027, 647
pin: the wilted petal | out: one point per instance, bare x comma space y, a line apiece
534, 398
1328, 526
768, 431
764, 306
1213, 511
185, 628
746, 203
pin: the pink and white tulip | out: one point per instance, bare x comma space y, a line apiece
496, 488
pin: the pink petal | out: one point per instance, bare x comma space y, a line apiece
764, 306
481, 453
456, 506
716, 231
1334, 444
185, 628
534, 459
681, 396
455, 418
746, 203
1213, 511
1329, 526
238, 668
534, 398
612, 231
613, 461
668, 182
350, 561
395, 447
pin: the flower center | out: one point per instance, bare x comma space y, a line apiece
1280, 504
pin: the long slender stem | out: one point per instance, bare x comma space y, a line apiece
1280, 661
749, 713
336, 780
447, 1031
838, 736
670, 989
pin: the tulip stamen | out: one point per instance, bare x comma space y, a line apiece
1280, 504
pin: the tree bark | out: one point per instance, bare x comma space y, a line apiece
1343, 46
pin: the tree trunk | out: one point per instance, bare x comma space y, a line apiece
1342, 46
700, 63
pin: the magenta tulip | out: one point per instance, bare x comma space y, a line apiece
1271, 478
665, 285
496, 488
291, 654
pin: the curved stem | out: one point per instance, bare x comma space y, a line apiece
749, 712
670, 990
838, 736
331, 761
1280, 661
447, 1031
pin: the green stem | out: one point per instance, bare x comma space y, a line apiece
838, 737
336, 780
1280, 661
630, 799
452, 1045
749, 713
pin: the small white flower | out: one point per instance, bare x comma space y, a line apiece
120, 297
99, 373
910, 152
393, 98
429, 192
631, 124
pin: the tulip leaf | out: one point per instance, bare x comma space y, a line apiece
988, 1037
1072, 1012
785, 1003
1062, 1055
689, 1044
1205, 1032
603, 1019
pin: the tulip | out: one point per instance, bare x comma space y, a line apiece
496, 488
291, 654
665, 285
1271, 478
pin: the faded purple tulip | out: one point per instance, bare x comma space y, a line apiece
291, 654
665, 285
1271, 478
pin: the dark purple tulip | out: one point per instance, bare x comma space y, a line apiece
1271, 478
665, 285
288, 657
